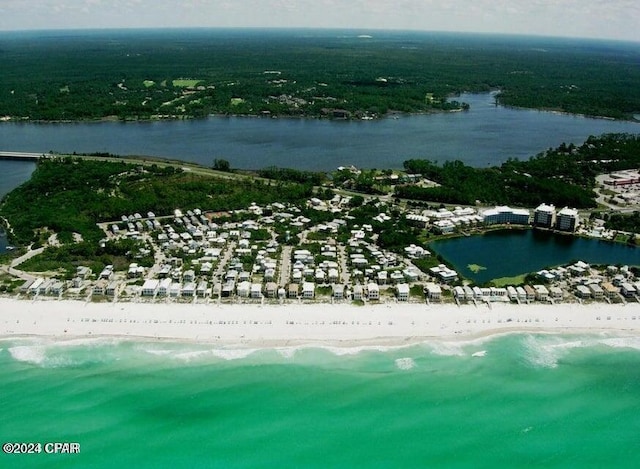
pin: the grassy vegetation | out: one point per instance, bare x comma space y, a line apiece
141, 74
185, 83
504, 281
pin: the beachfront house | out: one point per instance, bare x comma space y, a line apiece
57, 288
628, 290
434, 291
338, 292
403, 291
542, 293
83, 272
150, 287
256, 290
308, 290
189, 290
164, 287
203, 290
373, 291
175, 290
271, 289
292, 291
530, 293
99, 287
610, 290
596, 291
556, 293
582, 291
112, 288
244, 289
357, 292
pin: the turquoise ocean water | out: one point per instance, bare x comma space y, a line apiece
530, 401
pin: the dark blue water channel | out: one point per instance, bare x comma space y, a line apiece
485, 135
511, 252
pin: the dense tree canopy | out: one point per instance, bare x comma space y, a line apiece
176, 74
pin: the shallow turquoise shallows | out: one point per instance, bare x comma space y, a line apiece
530, 401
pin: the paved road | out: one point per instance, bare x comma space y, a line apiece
285, 265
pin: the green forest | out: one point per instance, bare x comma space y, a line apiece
70, 195
564, 176
154, 74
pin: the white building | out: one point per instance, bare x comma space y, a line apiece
150, 287
308, 290
567, 219
373, 291
506, 215
544, 216
434, 292
403, 291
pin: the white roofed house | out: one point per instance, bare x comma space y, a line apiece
175, 290
244, 289
189, 289
203, 290
57, 288
150, 287
583, 291
556, 293
434, 292
338, 291
189, 276
357, 292
628, 290
164, 287
373, 291
596, 291
308, 290
542, 293
402, 290
256, 290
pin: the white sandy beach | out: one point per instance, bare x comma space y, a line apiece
306, 324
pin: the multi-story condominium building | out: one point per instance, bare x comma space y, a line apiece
567, 219
544, 216
506, 215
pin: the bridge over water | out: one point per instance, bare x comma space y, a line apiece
17, 155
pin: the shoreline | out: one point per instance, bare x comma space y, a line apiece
306, 325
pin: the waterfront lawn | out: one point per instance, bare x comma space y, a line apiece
185, 83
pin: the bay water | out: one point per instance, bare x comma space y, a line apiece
485, 135
527, 401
